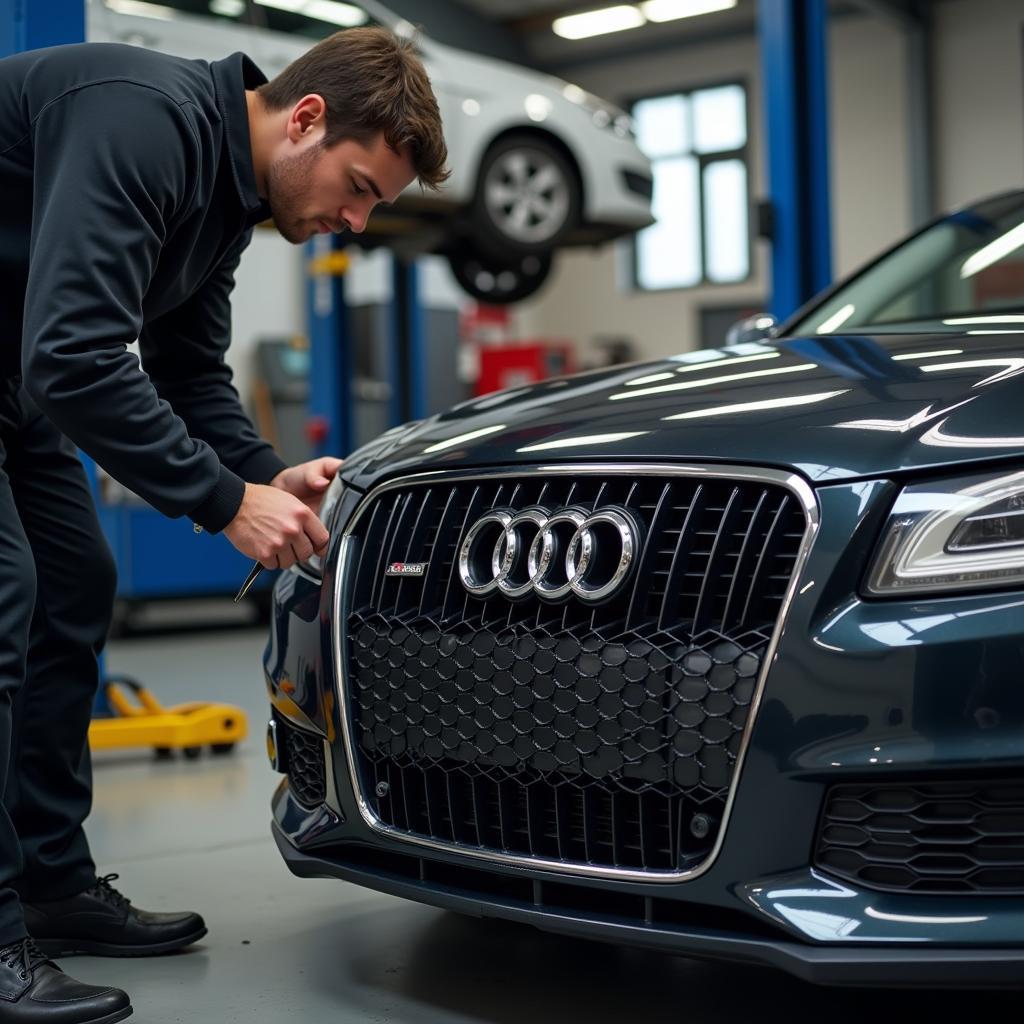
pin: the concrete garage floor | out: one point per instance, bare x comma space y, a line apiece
195, 834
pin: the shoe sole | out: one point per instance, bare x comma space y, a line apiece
112, 1018
86, 947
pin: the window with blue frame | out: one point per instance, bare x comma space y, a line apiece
697, 143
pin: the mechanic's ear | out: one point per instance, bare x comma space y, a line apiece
307, 117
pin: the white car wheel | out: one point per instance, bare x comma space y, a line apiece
528, 197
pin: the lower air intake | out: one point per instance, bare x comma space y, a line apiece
304, 759
942, 837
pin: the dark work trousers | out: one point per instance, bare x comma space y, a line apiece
57, 581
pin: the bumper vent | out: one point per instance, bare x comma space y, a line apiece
597, 734
941, 838
640, 184
304, 762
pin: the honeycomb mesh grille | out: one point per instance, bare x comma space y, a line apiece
599, 735
304, 760
941, 838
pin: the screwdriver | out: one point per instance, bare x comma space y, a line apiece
257, 568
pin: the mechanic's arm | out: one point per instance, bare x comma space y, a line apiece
184, 354
113, 165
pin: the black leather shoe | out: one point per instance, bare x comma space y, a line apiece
102, 922
35, 991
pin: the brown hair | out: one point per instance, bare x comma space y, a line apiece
372, 81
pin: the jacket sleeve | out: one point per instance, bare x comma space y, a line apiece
183, 353
114, 164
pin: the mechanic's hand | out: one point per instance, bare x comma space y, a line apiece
275, 528
309, 480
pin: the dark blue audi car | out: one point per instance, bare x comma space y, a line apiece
721, 655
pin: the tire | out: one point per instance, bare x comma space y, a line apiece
528, 196
498, 281
191, 753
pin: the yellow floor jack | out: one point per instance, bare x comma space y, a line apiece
133, 717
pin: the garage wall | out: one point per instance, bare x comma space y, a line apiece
868, 138
589, 295
979, 96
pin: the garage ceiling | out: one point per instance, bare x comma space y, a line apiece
530, 22
527, 24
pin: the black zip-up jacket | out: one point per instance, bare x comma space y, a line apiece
127, 195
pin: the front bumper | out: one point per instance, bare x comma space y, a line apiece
895, 965
858, 691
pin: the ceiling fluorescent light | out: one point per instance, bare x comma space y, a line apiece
292, 6
140, 9
670, 10
597, 23
345, 15
228, 8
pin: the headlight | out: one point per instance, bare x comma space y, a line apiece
314, 565
604, 115
957, 535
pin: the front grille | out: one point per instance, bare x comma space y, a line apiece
949, 837
602, 735
304, 763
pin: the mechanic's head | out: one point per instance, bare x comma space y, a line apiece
358, 122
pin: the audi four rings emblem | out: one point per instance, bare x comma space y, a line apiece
550, 553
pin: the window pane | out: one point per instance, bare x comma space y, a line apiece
668, 252
663, 125
719, 119
725, 206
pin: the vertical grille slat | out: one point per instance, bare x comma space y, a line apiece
453, 591
642, 581
368, 552
416, 543
680, 557
386, 542
764, 557
578, 733
703, 613
408, 511
742, 560
435, 559
407, 822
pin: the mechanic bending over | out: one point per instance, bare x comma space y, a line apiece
131, 183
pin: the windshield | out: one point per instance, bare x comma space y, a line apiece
964, 271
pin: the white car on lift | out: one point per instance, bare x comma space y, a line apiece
537, 163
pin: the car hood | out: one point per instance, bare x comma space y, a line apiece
832, 408
490, 75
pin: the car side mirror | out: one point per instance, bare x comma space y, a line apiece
759, 327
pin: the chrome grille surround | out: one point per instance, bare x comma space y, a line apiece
796, 487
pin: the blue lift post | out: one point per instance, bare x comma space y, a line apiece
331, 368
408, 344
31, 25
332, 358
794, 66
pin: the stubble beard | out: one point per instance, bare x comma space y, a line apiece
287, 186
